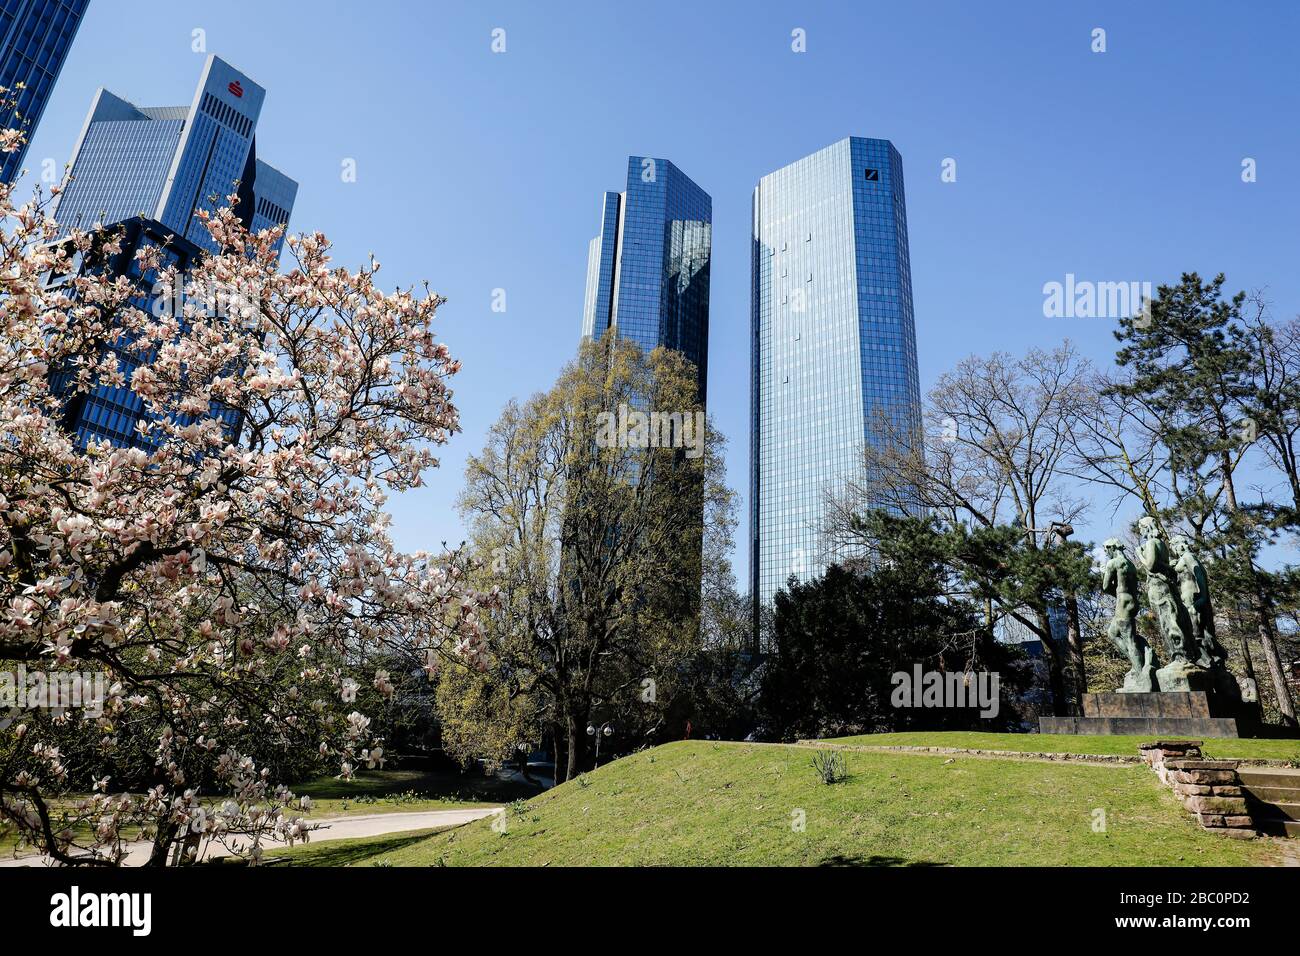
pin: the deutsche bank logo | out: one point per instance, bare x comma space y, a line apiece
873, 175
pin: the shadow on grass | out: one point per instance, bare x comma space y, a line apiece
426, 784
840, 860
348, 852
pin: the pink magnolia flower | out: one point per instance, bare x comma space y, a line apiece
189, 564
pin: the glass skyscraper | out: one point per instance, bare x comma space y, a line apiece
35, 36
166, 163
147, 171
648, 269
834, 344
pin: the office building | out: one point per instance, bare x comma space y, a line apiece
35, 36
833, 344
147, 172
648, 269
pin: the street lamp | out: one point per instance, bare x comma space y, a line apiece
1058, 534
598, 732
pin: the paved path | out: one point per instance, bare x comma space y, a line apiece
339, 828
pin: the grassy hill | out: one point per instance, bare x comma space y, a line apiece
1219, 748
704, 803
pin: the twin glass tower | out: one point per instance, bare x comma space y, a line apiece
648, 270
833, 340
833, 348
147, 172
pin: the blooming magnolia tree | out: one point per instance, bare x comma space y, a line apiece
230, 584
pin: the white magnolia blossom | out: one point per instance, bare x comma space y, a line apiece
228, 587
348, 690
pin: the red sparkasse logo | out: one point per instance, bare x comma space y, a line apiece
235, 88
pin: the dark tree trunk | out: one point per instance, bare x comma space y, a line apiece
574, 734
1261, 607
1055, 675
1264, 624
1076, 651
559, 744
1239, 626
162, 843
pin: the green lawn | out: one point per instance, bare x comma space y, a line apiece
377, 791
1220, 747
9, 838
404, 791
703, 803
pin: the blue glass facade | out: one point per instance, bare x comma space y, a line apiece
112, 413
648, 270
35, 36
834, 344
147, 171
272, 197
167, 163
120, 165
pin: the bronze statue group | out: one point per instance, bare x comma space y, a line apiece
1178, 595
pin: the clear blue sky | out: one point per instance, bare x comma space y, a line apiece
480, 171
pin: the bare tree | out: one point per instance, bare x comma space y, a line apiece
994, 448
1115, 443
1276, 412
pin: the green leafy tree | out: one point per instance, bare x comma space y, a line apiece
595, 537
838, 641
715, 694
1275, 353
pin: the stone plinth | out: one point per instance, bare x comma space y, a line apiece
1191, 714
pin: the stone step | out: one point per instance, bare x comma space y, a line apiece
1273, 794
1276, 811
1270, 777
1275, 827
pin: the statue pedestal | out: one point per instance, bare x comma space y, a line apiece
1184, 677
1189, 714
1140, 680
